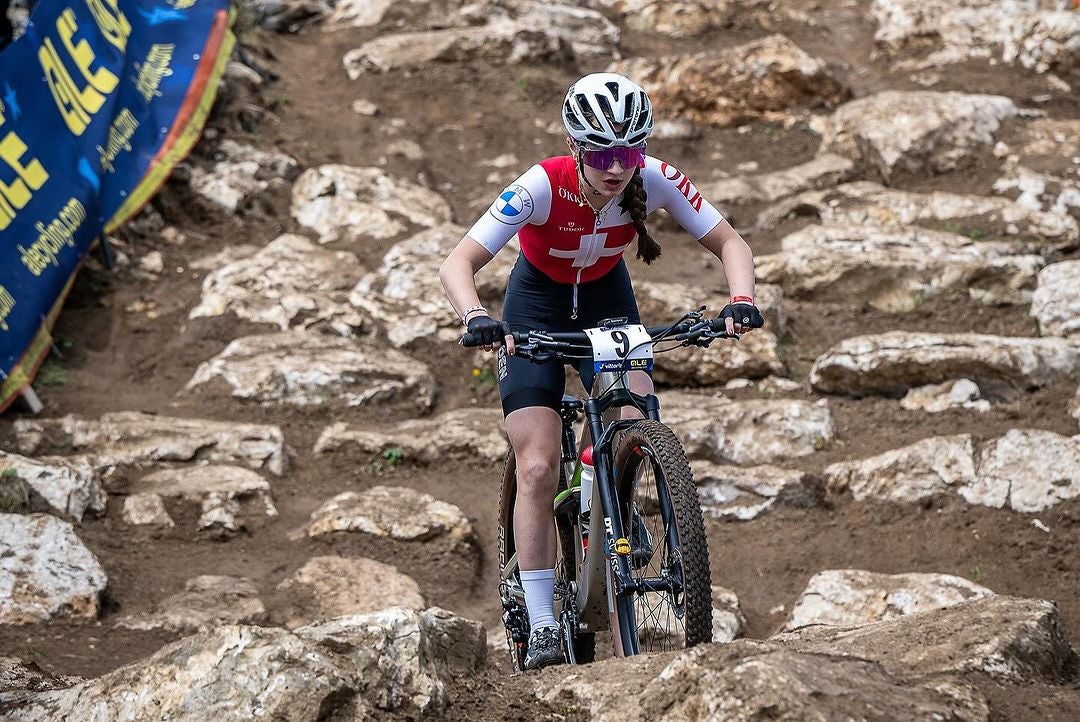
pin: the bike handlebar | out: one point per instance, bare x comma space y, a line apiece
543, 346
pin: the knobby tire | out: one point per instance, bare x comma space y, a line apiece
652, 448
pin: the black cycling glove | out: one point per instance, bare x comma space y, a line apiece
486, 331
745, 314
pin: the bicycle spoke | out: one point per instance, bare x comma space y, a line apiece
659, 502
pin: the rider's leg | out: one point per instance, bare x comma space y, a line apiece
640, 383
535, 434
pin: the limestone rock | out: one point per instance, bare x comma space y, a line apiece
361, 667
1028, 469
767, 78
931, 466
70, 486
896, 270
1074, 406
227, 673
769, 387
461, 433
401, 659
747, 432
146, 509
131, 437
755, 680
728, 621
754, 355
405, 293
824, 171
343, 203
744, 493
509, 31
935, 398
914, 131
331, 586
20, 680
14, 493
45, 571
231, 497
1036, 34
302, 368
899, 360
854, 597
290, 283
1005, 638
678, 18
206, 602
241, 172
395, 512
865, 203
1056, 301
1041, 191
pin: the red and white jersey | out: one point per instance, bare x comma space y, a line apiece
561, 234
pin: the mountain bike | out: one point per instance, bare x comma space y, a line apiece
645, 575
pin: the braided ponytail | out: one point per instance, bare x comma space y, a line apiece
633, 202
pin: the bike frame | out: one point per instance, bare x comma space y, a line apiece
605, 575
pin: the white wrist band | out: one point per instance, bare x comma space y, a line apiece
468, 311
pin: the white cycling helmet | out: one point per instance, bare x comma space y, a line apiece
604, 110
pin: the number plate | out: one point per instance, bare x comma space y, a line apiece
621, 348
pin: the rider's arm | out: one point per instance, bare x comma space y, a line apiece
727, 245
670, 189
526, 200
457, 274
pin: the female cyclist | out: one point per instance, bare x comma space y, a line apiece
574, 217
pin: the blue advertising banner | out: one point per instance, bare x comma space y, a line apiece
98, 100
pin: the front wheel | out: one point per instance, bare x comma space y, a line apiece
662, 520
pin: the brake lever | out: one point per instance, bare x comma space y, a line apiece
541, 357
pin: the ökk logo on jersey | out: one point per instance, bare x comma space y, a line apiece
513, 206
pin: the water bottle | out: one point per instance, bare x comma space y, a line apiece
586, 481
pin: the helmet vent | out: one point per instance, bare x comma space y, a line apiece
587, 112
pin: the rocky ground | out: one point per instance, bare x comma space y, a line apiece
266, 481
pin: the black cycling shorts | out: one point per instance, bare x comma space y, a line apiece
536, 302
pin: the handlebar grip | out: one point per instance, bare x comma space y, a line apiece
468, 340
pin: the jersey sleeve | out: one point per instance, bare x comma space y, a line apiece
526, 200
668, 188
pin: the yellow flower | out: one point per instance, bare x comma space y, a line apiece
476, 372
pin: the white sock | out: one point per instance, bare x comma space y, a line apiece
539, 586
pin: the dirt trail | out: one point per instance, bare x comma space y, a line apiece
461, 115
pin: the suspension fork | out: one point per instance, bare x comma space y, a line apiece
605, 487
667, 512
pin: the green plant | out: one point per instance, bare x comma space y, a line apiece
393, 456
977, 574
52, 373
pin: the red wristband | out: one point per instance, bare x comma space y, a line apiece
742, 299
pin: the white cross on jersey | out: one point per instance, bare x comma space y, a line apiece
589, 252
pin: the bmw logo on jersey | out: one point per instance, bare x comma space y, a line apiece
513, 206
